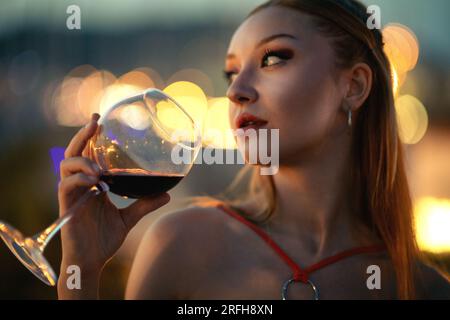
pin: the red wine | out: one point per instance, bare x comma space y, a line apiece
138, 183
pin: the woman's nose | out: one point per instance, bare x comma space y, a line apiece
241, 94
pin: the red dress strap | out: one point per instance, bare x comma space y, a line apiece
299, 274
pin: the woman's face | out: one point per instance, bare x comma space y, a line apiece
290, 81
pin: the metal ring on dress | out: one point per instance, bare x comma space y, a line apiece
285, 287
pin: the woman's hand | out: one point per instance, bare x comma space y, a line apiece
98, 228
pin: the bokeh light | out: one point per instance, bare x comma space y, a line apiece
192, 98
402, 49
217, 133
195, 76
85, 90
115, 93
135, 116
91, 90
81, 71
155, 77
432, 223
412, 119
138, 79
78, 96
401, 46
64, 103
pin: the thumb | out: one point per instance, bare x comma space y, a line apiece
135, 212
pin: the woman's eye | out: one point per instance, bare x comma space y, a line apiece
275, 57
270, 60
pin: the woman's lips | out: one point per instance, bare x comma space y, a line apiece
248, 121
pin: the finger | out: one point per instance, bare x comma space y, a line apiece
135, 212
79, 141
75, 181
87, 151
79, 164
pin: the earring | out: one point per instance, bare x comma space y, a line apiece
349, 117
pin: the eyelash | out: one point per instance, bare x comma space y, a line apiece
278, 54
282, 54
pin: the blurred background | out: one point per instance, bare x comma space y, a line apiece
52, 78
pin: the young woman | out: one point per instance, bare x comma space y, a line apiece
335, 222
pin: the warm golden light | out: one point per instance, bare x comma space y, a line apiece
65, 103
217, 132
135, 116
115, 93
91, 90
192, 98
153, 75
395, 80
412, 119
402, 49
174, 124
432, 223
81, 71
86, 90
138, 79
195, 76
79, 95
171, 117
111, 149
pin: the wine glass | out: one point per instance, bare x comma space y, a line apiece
144, 145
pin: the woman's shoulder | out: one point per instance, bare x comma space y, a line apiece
173, 249
432, 283
194, 222
199, 226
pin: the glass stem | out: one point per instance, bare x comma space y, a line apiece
43, 238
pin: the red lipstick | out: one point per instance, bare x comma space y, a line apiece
247, 121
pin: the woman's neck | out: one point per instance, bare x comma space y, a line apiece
313, 205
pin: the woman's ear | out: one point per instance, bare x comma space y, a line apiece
359, 85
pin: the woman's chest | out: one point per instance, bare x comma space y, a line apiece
253, 270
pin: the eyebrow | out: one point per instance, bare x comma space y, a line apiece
265, 40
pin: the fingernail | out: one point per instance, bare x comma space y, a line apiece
95, 117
